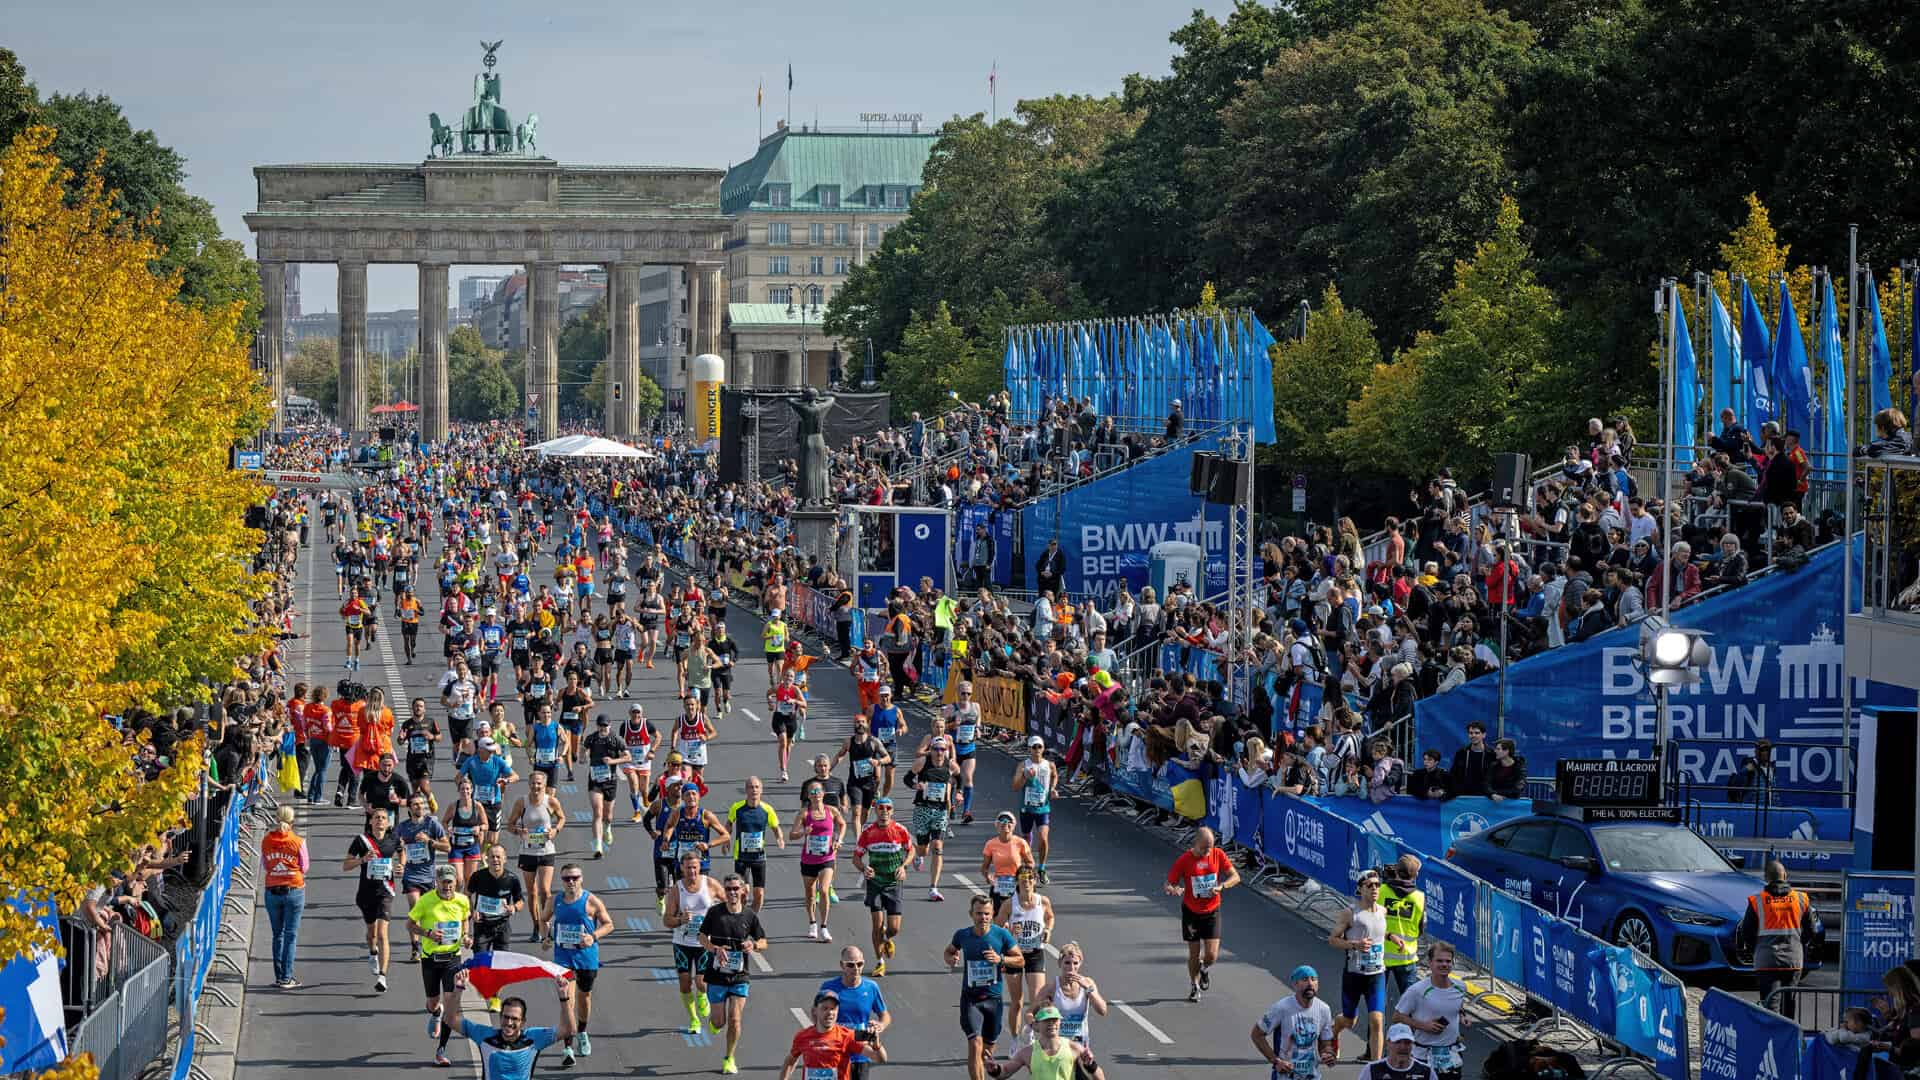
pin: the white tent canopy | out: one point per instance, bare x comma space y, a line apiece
586, 446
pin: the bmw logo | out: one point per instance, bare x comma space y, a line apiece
1465, 825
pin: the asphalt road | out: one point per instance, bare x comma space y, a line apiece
1106, 890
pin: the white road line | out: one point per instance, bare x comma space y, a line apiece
1146, 1025
968, 882
760, 963
753, 716
801, 1015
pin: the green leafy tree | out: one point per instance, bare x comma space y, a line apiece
646, 394
1317, 377
19, 101
482, 383
313, 370
1376, 151
936, 358
584, 343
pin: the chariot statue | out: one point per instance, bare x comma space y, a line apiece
485, 128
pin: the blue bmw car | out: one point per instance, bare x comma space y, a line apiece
1652, 886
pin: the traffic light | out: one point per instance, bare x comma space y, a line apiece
619, 392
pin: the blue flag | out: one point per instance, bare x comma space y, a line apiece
1880, 371
1756, 359
1260, 368
1792, 378
1686, 390
1729, 376
1830, 405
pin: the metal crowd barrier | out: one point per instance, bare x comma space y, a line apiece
126, 1029
1814, 1008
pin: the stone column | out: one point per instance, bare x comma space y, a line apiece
623, 362
543, 347
352, 409
706, 304
434, 416
273, 331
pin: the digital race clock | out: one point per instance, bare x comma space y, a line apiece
1607, 782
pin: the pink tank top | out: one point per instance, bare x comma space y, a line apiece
817, 847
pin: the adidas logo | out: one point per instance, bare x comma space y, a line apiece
1804, 831
1377, 824
1769, 1070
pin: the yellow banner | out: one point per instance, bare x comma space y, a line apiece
1002, 704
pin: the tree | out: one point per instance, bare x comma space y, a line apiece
1317, 377
314, 371
19, 101
645, 393
1376, 152
583, 347
934, 359
130, 454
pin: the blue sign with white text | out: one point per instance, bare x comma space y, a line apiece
1878, 931
1741, 1041
1107, 528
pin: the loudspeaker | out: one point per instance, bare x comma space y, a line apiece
1200, 479
1510, 487
386, 434
1228, 479
256, 517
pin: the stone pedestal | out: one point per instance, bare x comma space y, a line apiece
816, 533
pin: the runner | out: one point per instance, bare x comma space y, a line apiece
419, 734
354, 614
459, 695
695, 828
981, 952
543, 731
1295, 1034
789, 709
497, 896
603, 656
963, 719
880, 855
861, 1007
442, 917
693, 893
725, 652
751, 820
773, 639
888, 724
933, 801
605, 753
626, 646
1028, 916
651, 612
828, 1049
537, 819
1002, 856
575, 703
381, 860
692, 732
730, 931
577, 923
465, 823
1432, 1008
869, 675
422, 836
344, 732
1361, 932
820, 827
665, 863
865, 756
1076, 995
1036, 780
1399, 1062
1049, 1056
407, 610
491, 777
637, 731
1198, 877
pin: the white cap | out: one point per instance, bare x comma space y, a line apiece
489, 744
1035, 740
1399, 1033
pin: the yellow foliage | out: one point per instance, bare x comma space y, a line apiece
124, 573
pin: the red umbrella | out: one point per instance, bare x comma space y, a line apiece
406, 406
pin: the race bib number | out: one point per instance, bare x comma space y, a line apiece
937, 791
1204, 885
1373, 960
1072, 1027
1028, 933
695, 751
862, 768
570, 716
687, 934
600, 773
1003, 884
1445, 1058
418, 746
536, 837
463, 837
449, 932
545, 755
1035, 797
417, 852
965, 733
821, 1074
819, 844
982, 974
380, 869
735, 962
487, 793
570, 937
753, 843
491, 906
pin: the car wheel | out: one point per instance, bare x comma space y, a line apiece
1634, 932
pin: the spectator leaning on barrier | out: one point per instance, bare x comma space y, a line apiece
1430, 781
1778, 925
1472, 762
1507, 776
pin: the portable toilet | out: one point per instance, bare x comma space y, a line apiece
1172, 562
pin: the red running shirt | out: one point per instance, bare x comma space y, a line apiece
828, 1050
1200, 879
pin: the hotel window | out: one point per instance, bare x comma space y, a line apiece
830, 196
816, 233
777, 264
873, 236
777, 195
816, 295
780, 294
816, 265
896, 197
840, 232
778, 233
839, 264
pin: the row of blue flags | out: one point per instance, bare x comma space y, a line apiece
1764, 375
1216, 366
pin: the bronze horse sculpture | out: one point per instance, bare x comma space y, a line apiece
442, 137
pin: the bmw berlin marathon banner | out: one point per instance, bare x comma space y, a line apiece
1108, 528
1775, 673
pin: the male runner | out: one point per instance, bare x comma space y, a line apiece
422, 835
933, 801
880, 855
692, 894
1049, 1056
750, 820
861, 1007
963, 720
497, 895
491, 777
605, 753
981, 953
640, 737
507, 1052
442, 917
579, 921
1295, 1034
888, 724
1361, 932
826, 1049
1198, 877
729, 932
725, 652
865, 757
1399, 1062
418, 735
1036, 780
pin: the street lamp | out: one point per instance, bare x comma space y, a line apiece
807, 310
1671, 656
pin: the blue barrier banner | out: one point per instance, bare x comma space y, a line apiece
34, 1024
1245, 814
1453, 907
1508, 920
921, 548
1822, 1060
1878, 932
1741, 1041
1650, 1013
1775, 672
1567, 954
193, 953
1311, 841
1426, 826
1108, 527
1597, 1005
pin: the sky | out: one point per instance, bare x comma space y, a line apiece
231, 85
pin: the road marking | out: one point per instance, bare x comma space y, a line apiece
618, 882
968, 882
1146, 1025
753, 716
760, 963
699, 1038
638, 925
569, 789
800, 1015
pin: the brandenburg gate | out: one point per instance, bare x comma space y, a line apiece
486, 196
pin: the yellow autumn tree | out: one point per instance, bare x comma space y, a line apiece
124, 558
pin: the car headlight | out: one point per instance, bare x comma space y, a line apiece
1690, 917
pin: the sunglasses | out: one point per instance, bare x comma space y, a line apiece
571, 878
853, 963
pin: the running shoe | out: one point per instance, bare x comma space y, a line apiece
433, 1025
586, 1044
607, 834
288, 984
534, 938
704, 1006
440, 1058
373, 963
833, 895
728, 1067
661, 903
638, 816
566, 1058
813, 931
1206, 977
783, 776
596, 849
1193, 992
413, 957
919, 863
934, 895
380, 984
825, 934
966, 819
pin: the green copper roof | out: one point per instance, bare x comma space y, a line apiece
806, 160
740, 314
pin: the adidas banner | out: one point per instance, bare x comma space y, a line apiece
1741, 1041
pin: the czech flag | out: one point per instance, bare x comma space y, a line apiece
492, 972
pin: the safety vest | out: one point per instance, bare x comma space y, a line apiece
1406, 918
280, 854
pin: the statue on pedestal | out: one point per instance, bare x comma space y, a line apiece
811, 408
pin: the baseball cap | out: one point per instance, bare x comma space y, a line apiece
1048, 1012
489, 744
675, 758
602, 720
886, 691
1035, 740
826, 995
1399, 1033
1005, 815
635, 708
1304, 971
446, 873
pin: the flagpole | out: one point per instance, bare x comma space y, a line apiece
1846, 447
1703, 348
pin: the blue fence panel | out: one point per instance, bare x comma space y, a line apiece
1878, 932
1741, 1041
1453, 907
1650, 1012
1508, 919
194, 952
1311, 841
